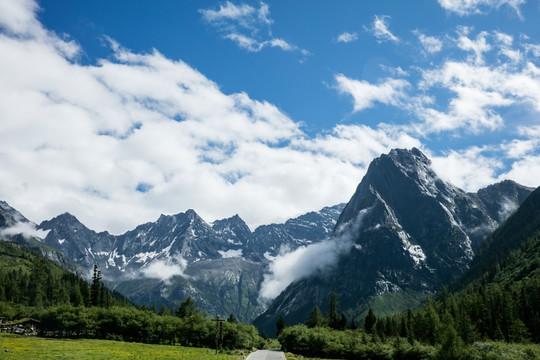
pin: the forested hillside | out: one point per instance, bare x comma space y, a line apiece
512, 235
66, 305
29, 279
498, 300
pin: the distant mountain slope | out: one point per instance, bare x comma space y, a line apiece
406, 233
219, 264
16, 228
28, 278
512, 235
498, 298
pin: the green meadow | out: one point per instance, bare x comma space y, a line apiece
29, 348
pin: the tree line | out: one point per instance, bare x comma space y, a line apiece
452, 327
66, 305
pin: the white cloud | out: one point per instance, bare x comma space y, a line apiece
26, 229
468, 169
359, 144
18, 16
164, 269
431, 44
533, 48
84, 138
525, 171
245, 42
347, 37
518, 148
365, 94
308, 260
469, 7
380, 30
479, 91
245, 25
244, 15
478, 46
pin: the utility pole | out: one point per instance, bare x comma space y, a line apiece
219, 332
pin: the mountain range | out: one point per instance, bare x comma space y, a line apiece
404, 233
220, 265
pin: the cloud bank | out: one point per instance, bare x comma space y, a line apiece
139, 134
307, 260
470, 7
26, 229
164, 269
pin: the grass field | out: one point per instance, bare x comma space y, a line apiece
29, 348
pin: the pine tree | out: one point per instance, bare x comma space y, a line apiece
164, 310
38, 282
187, 308
95, 288
231, 319
342, 323
280, 324
333, 317
316, 318
369, 322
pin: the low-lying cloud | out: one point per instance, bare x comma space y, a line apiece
164, 269
26, 229
308, 260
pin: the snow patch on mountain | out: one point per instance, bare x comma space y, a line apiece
230, 253
415, 251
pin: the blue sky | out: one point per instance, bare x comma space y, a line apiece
119, 111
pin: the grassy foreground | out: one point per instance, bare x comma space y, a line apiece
17, 347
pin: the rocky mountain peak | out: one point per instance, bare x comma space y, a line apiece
405, 230
503, 198
9, 216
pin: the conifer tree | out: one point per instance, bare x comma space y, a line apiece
280, 324
94, 288
369, 322
333, 318
231, 319
187, 308
316, 318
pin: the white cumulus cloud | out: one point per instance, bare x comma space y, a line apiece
347, 37
430, 44
139, 134
469, 7
249, 27
365, 94
380, 30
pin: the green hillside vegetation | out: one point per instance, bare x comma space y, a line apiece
510, 236
494, 315
29, 279
67, 306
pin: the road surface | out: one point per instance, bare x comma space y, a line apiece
266, 355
